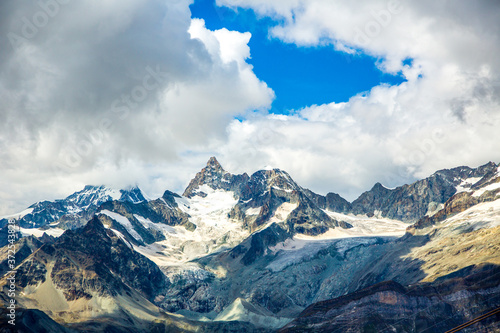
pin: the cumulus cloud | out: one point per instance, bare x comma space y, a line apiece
123, 92
446, 114
93, 93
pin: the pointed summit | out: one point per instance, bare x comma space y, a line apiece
215, 177
214, 164
133, 194
378, 187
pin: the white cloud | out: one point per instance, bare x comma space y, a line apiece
121, 92
446, 114
111, 92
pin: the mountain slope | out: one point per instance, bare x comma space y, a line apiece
74, 210
436, 277
87, 271
391, 307
264, 194
424, 197
486, 189
262, 249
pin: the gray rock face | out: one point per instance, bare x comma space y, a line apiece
435, 307
92, 259
256, 245
22, 249
462, 201
411, 202
158, 211
216, 178
332, 201
76, 209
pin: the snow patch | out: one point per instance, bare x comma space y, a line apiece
114, 194
124, 222
282, 189
290, 244
253, 211
466, 184
214, 230
148, 224
365, 226
56, 232
490, 187
282, 212
18, 215
123, 238
483, 215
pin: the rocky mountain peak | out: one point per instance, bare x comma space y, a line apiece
76, 209
413, 201
133, 194
459, 174
92, 234
378, 187
215, 177
93, 225
213, 164
266, 180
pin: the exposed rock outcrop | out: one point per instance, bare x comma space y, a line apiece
435, 307
411, 202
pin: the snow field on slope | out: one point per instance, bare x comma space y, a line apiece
214, 230
483, 215
490, 187
253, 211
124, 222
296, 250
56, 232
148, 224
364, 231
466, 184
282, 212
102, 195
365, 226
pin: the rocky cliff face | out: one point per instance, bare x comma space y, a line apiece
76, 209
112, 265
262, 249
264, 197
486, 189
215, 177
389, 306
146, 218
332, 201
22, 249
91, 261
411, 202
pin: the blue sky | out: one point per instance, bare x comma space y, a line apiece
300, 76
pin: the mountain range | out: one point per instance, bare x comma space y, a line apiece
245, 253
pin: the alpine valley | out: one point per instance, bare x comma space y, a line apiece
258, 253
